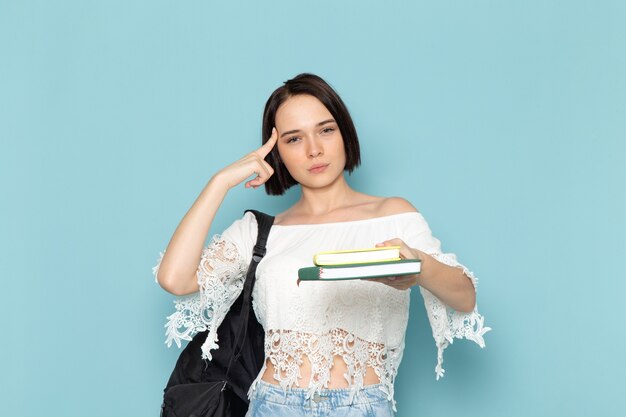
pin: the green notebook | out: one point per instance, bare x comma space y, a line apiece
360, 271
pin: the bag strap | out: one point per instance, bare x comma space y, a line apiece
265, 222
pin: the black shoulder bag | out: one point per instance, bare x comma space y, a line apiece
216, 388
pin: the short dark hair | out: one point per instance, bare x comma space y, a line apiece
313, 85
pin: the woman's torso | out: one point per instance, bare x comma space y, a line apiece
365, 319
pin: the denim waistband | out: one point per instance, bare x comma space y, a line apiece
330, 397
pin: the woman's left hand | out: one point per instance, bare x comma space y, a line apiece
402, 282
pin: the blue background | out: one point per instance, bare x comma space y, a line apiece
503, 122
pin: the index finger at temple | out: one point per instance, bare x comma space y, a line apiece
267, 146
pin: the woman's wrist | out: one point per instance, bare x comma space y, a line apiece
218, 182
425, 266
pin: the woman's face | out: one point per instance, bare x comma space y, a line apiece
309, 141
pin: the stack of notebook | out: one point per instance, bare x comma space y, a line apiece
359, 264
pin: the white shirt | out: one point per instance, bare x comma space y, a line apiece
364, 322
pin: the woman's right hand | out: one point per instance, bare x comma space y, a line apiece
253, 163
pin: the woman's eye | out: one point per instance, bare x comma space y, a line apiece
293, 139
328, 130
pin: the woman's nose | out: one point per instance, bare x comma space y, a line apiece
314, 148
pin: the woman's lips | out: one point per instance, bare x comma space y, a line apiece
317, 168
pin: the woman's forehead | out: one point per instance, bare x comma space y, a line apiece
301, 111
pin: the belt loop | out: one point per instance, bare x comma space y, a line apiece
353, 394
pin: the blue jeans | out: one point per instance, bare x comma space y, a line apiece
269, 400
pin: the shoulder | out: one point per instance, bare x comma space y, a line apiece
242, 232
375, 206
389, 206
240, 237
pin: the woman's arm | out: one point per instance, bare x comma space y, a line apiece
177, 271
449, 284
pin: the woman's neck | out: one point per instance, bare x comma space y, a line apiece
322, 201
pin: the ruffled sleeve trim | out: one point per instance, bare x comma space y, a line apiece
448, 324
220, 275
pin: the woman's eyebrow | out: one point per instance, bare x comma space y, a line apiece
289, 132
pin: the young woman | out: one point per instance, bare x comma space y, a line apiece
331, 348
